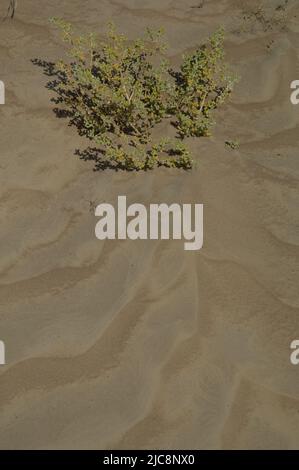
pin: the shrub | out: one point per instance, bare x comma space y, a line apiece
117, 91
201, 85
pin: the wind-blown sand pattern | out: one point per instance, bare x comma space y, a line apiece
140, 344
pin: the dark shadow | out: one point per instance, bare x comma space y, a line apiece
57, 84
98, 156
49, 68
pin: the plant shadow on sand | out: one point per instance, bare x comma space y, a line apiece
101, 162
97, 155
117, 94
57, 79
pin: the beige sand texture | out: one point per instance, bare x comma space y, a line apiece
140, 344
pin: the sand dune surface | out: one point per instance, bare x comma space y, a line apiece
140, 344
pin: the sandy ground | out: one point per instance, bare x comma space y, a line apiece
139, 344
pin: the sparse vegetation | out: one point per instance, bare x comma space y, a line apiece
233, 144
201, 85
256, 17
116, 92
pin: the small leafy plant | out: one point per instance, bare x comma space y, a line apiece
233, 144
201, 85
257, 17
117, 92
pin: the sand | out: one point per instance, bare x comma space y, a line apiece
140, 344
